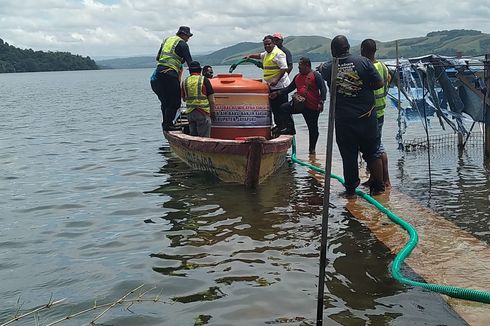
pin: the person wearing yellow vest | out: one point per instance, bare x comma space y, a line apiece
165, 80
198, 95
275, 75
368, 50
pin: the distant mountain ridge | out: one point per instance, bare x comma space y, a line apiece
317, 48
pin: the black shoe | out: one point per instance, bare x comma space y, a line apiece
287, 131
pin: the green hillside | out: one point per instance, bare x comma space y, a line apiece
450, 43
317, 48
13, 59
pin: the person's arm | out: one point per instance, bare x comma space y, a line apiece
182, 90
182, 50
289, 61
374, 78
286, 90
210, 95
253, 56
159, 51
211, 106
291, 87
325, 70
321, 86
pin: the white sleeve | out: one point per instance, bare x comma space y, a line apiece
280, 60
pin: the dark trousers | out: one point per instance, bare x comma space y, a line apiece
311, 118
167, 88
276, 109
352, 136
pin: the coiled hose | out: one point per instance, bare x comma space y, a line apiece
455, 292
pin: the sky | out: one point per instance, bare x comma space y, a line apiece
125, 28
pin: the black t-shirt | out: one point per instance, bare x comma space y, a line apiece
208, 87
289, 57
355, 84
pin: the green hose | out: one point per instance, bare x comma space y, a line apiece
455, 292
255, 62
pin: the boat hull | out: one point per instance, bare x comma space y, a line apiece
248, 160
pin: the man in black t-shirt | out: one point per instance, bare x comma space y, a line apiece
355, 118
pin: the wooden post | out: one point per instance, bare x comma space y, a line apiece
486, 110
254, 158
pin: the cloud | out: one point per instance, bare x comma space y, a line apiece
130, 27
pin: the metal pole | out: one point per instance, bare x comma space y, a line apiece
398, 85
426, 130
326, 191
486, 110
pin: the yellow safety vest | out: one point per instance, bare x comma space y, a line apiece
380, 93
168, 57
194, 98
271, 69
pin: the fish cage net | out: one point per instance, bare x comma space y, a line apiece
443, 141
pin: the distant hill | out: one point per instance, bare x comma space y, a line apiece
13, 59
317, 48
449, 43
314, 47
127, 63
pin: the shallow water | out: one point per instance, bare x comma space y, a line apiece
94, 204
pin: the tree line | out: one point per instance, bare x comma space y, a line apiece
13, 59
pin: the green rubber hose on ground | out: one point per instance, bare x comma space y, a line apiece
455, 292
235, 64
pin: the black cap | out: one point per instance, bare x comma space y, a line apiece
194, 65
184, 30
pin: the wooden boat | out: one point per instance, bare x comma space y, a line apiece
246, 160
241, 148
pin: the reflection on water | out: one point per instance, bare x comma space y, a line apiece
234, 251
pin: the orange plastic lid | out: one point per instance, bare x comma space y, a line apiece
235, 83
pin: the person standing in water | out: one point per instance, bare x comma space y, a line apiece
356, 125
368, 50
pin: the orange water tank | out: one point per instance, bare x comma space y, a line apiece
242, 107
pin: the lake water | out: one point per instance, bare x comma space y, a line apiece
93, 204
